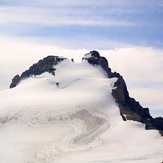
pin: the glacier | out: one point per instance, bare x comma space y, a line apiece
71, 118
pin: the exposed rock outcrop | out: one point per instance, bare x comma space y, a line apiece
130, 109
94, 58
44, 65
15, 81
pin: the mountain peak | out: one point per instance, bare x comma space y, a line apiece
43, 65
130, 109
61, 111
92, 53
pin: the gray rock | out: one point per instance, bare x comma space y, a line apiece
129, 108
45, 65
15, 81
96, 59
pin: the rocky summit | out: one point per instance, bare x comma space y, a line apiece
129, 108
43, 65
61, 111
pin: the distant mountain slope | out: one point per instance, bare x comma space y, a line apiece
59, 111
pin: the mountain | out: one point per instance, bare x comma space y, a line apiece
65, 112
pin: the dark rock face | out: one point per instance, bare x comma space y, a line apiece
94, 54
158, 122
130, 109
15, 81
95, 59
45, 65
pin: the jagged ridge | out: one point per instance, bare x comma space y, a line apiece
45, 65
130, 109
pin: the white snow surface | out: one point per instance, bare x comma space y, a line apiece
71, 118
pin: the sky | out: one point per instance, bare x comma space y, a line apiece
128, 33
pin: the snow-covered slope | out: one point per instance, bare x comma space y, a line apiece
71, 118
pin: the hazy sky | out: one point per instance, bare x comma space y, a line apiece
129, 33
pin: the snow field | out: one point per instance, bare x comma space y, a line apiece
71, 117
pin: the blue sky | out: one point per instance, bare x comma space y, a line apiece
70, 22
128, 33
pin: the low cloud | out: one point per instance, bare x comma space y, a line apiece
137, 64
142, 70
